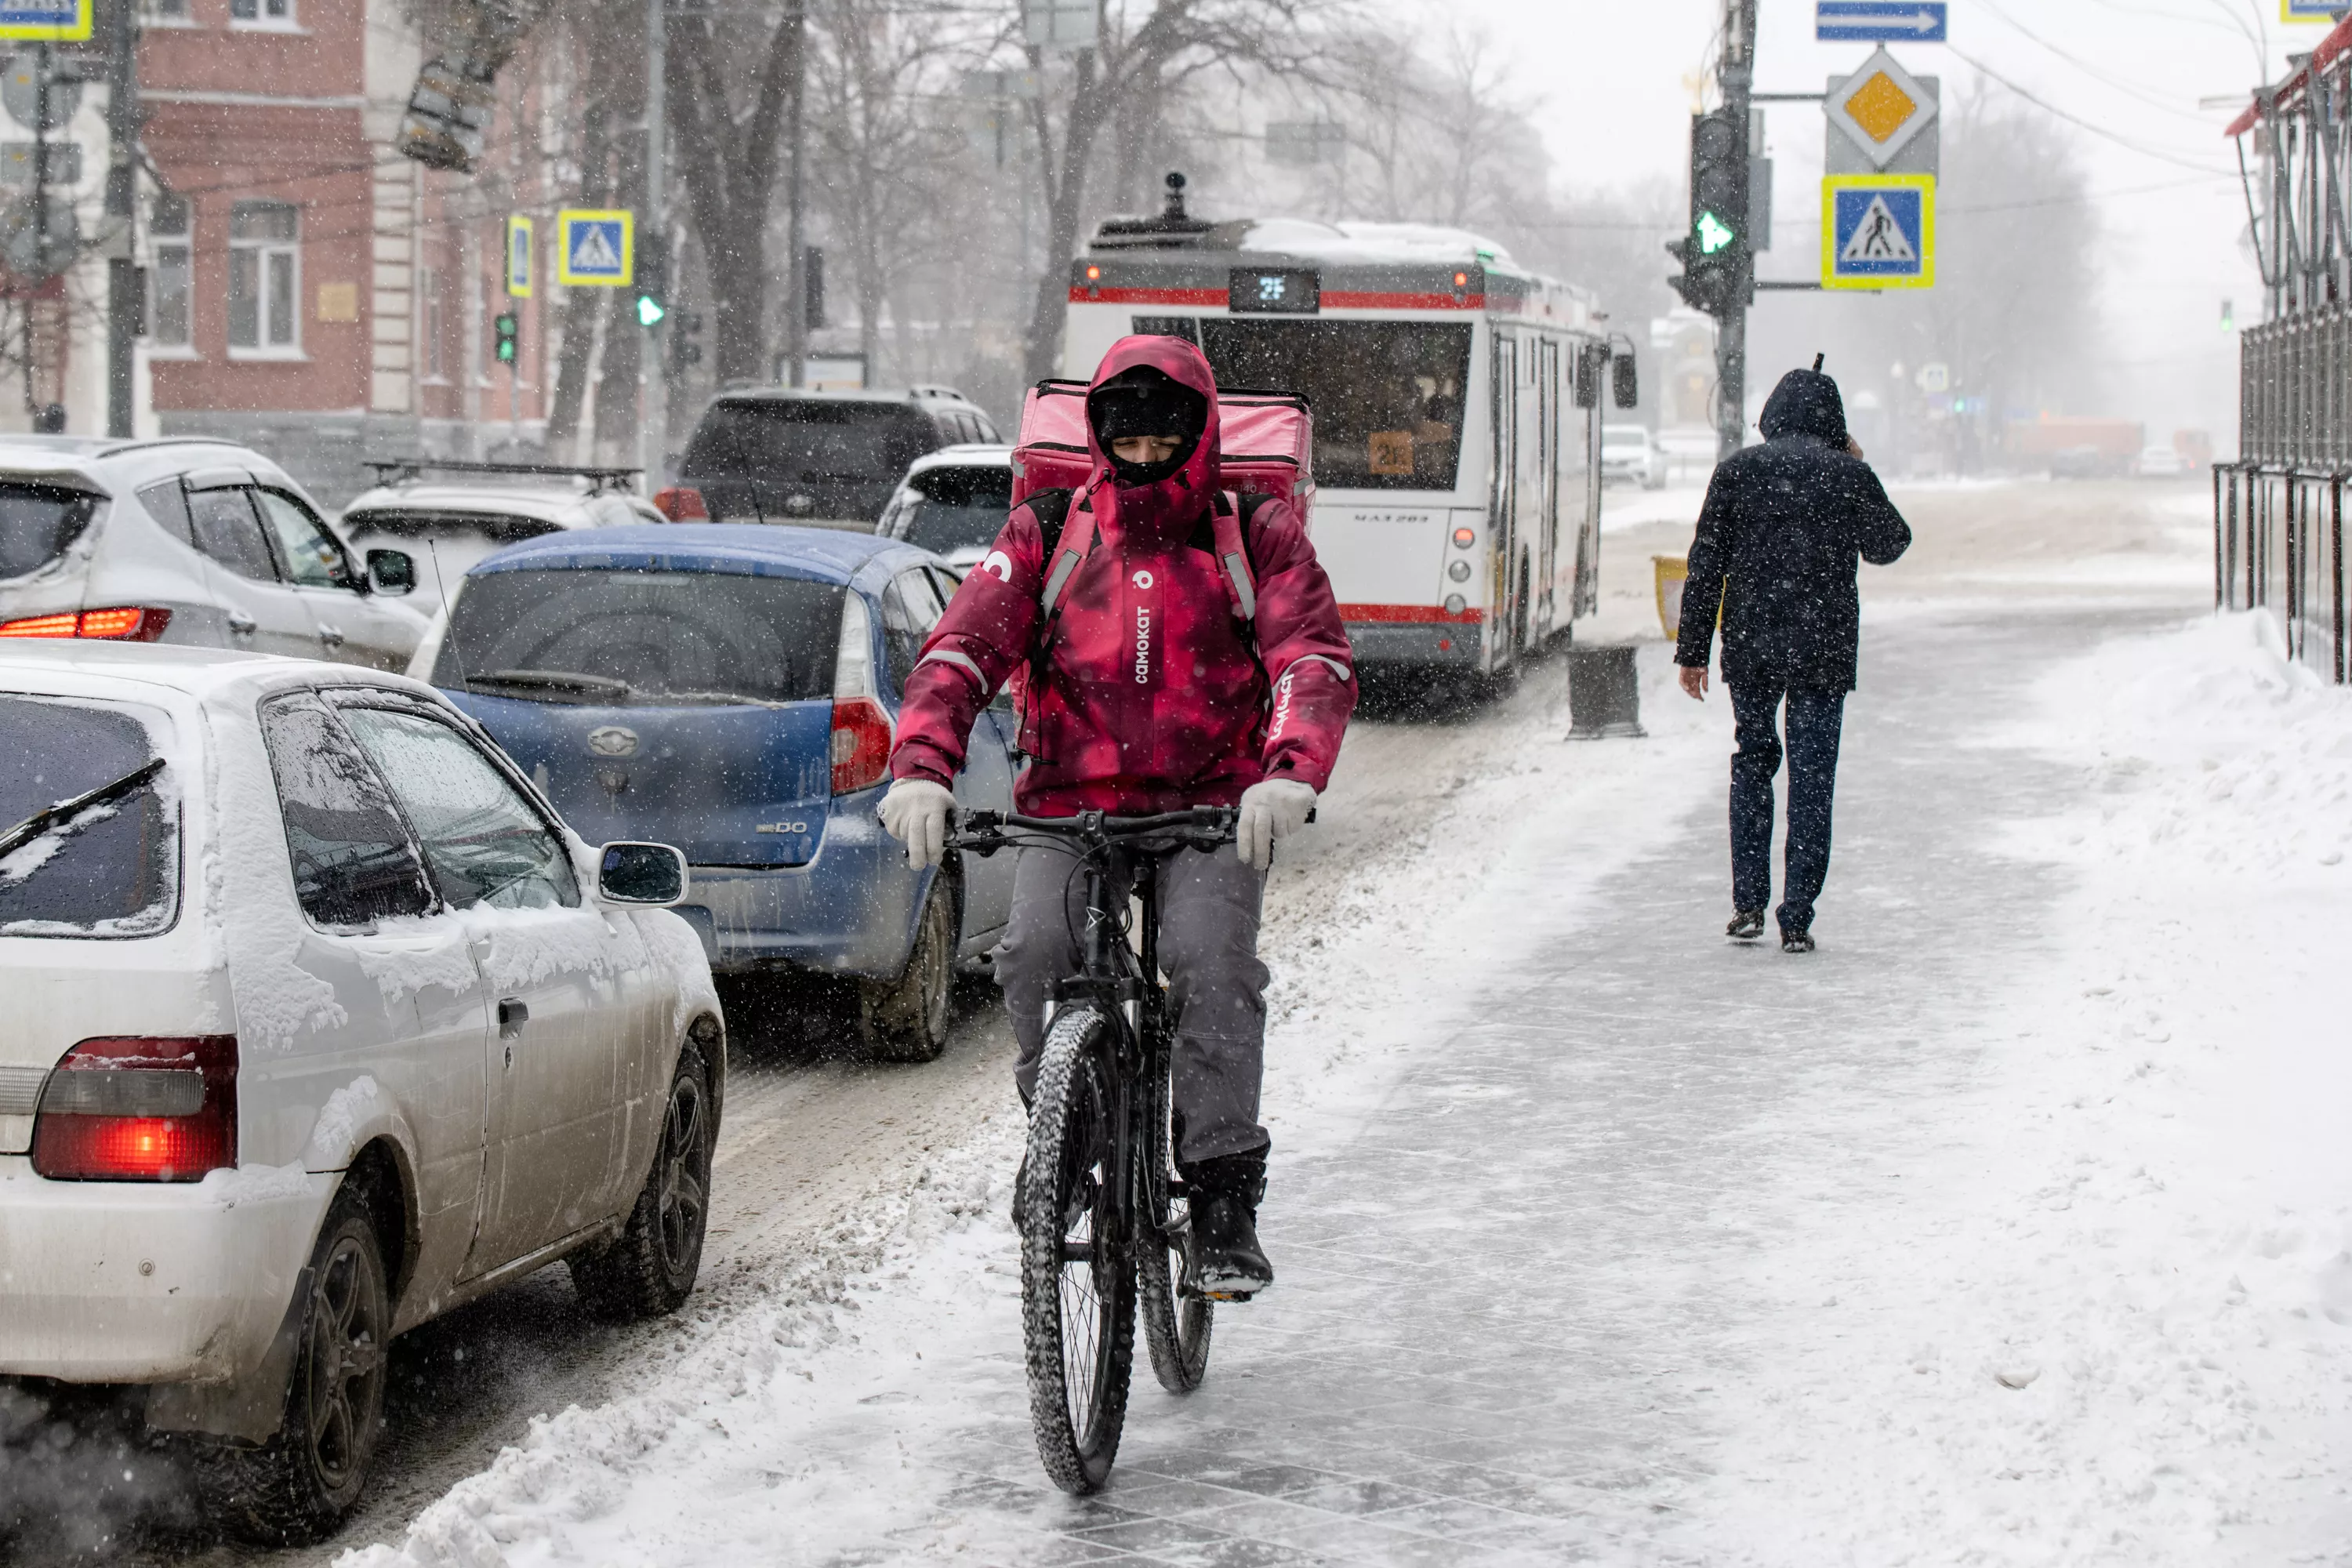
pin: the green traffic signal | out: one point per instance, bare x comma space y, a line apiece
1713, 234
650, 310
509, 328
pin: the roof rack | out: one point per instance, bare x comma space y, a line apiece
400, 470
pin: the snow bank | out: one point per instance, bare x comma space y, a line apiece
2108, 1321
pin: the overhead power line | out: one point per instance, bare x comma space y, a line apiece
2091, 126
2093, 72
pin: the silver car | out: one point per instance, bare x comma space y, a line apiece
449, 524
187, 540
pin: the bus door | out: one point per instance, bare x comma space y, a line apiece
1550, 615
1587, 452
1502, 532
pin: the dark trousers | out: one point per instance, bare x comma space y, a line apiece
1815, 719
1208, 903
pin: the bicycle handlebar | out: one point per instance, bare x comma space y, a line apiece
1205, 825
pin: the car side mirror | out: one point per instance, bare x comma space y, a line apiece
392, 571
650, 874
1625, 381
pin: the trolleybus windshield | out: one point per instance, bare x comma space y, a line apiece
1387, 394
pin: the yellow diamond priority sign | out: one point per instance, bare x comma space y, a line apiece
1881, 108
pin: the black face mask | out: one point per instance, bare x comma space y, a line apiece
1134, 474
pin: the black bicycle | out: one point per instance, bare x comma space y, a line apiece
1101, 1207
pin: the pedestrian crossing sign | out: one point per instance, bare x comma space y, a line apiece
1878, 231
597, 249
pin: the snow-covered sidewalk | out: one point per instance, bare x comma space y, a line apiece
2010, 1228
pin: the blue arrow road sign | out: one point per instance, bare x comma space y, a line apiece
1881, 21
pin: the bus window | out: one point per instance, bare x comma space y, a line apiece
1185, 327
1388, 396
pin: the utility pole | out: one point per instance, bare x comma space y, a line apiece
796, 274
1736, 75
653, 424
123, 305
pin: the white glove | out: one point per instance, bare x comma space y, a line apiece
915, 813
1271, 809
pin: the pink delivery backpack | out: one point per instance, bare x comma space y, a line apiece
1269, 444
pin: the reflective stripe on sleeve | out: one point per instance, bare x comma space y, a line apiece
1341, 670
961, 661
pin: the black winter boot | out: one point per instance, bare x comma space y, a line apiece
1746, 925
1222, 1259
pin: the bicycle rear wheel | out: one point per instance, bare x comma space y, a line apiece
1175, 1327
1077, 1297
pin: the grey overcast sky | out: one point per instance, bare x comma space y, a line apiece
1615, 84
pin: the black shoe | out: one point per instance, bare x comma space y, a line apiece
1222, 1261
1222, 1258
1796, 942
1746, 926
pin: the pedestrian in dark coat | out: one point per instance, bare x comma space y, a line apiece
1777, 542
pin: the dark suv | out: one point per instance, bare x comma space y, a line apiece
823, 457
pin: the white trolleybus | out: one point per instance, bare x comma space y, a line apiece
1456, 401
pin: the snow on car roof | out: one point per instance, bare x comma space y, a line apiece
964, 454
208, 674
548, 503
752, 549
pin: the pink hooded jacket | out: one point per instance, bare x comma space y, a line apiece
1151, 700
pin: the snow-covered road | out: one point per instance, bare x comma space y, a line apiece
2011, 1228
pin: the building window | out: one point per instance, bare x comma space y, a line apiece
170, 12
428, 289
261, 13
170, 277
265, 261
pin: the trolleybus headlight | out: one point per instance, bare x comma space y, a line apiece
1459, 571
1455, 603
1464, 538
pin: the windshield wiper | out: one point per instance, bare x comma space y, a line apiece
64, 811
554, 681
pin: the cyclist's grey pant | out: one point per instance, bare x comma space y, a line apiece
1208, 948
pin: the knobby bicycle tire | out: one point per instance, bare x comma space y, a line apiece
1077, 1317
1176, 1327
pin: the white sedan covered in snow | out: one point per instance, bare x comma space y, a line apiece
320, 1021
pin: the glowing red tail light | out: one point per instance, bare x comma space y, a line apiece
861, 743
126, 624
125, 1108
681, 503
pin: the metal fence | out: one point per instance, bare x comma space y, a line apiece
2278, 544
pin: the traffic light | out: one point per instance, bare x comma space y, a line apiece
685, 341
653, 280
509, 331
1716, 255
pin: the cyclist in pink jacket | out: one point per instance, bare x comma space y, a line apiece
1176, 646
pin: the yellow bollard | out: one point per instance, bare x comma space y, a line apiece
1672, 571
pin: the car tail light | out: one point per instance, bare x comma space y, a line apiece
681, 503
861, 744
861, 728
128, 624
137, 1109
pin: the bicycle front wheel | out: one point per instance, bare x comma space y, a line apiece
1175, 1327
1078, 1289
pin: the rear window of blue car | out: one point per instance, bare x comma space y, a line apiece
617, 637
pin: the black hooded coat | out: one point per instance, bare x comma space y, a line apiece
1778, 544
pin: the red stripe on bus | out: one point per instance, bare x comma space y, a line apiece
1393, 614
1081, 294
1349, 299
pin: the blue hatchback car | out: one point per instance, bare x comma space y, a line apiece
733, 689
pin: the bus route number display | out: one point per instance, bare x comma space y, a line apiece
1278, 291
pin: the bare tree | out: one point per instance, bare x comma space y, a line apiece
1143, 53
731, 77
885, 160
